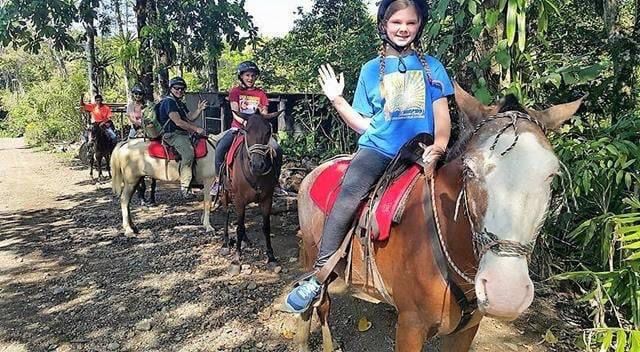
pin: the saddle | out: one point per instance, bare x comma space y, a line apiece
385, 204
377, 213
238, 140
159, 149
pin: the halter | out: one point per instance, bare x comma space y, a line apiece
263, 150
484, 241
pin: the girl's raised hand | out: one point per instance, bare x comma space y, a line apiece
331, 84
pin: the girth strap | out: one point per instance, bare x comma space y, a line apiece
467, 307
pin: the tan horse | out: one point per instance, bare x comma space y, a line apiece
464, 237
131, 161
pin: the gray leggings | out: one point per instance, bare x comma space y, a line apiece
366, 167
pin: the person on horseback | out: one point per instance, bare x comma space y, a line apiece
178, 124
245, 98
100, 114
134, 110
399, 94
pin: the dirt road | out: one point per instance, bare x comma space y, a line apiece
70, 281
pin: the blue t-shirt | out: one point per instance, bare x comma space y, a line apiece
407, 109
170, 104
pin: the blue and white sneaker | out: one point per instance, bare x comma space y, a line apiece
302, 296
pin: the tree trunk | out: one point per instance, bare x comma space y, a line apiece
127, 69
91, 56
212, 84
163, 72
144, 9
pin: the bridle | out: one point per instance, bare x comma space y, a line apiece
264, 150
484, 241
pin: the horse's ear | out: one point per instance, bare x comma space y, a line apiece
556, 115
241, 115
474, 110
273, 114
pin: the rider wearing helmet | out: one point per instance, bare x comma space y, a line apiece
134, 110
178, 124
249, 99
400, 94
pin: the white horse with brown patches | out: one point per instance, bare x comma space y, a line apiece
462, 247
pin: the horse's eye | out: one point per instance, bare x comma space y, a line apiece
468, 173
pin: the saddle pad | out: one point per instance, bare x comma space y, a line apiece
157, 150
238, 140
326, 187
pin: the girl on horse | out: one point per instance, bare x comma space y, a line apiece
134, 110
399, 94
245, 98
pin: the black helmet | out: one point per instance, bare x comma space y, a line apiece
423, 11
177, 81
248, 66
137, 89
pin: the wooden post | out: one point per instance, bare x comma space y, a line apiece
282, 123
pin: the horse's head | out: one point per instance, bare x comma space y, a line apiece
508, 166
257, 142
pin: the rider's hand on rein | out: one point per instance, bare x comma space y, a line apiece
430, 157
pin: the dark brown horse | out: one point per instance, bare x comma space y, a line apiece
252, 178
101, 148
464, 237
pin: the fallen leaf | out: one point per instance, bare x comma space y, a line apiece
550, 338
364, 324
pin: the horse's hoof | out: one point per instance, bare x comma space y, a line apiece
271, 261
209, 229
224, 251
129, 232
234, 269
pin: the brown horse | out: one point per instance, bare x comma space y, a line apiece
252, 178
461, 249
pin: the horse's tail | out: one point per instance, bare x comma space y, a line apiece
117, 178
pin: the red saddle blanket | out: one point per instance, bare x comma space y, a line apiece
157, 150
326, 187
238, 140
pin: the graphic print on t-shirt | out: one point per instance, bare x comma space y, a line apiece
248, 104
405, 95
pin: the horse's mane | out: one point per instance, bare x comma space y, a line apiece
508, 103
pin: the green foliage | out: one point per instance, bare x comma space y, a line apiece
339, 33
27, 23
47, 112
604, 160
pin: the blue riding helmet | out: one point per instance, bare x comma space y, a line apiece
247, 66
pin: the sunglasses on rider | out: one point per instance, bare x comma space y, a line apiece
179, 88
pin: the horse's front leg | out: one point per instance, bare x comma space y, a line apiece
100, 167
460, 341
108, 160
125, 200
207, 206
152, 192
265, 208
240, 230
410, 332
91, 161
